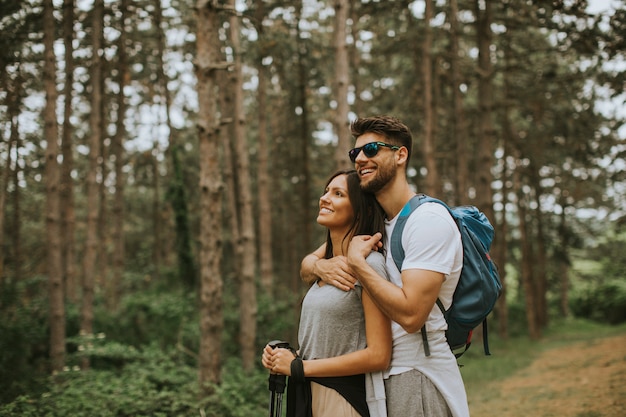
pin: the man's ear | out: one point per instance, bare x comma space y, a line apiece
402, 156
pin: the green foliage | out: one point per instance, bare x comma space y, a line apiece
611, 253
149, 382
161, 316
277, 319
177, 196
142, 357
601, 294
23, 338
603, 302
152, 383
239, 394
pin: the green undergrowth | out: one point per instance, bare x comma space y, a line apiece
151, 381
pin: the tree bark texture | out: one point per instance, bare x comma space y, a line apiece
210, 188
266, 263
526, 272
432, 184
486, 132
341, 83
91, 243
354, 62
158, 214
117, 149
103, 240
3, 194
299, 244
501, 227
162, 212
540, 273
231, 212
53, 221
564, 262
16, 241
68, 215
247, 240
461, 138
13, 112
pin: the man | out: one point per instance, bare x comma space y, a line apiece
415, 384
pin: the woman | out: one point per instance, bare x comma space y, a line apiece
344, 339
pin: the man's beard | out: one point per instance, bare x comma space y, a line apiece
384, 175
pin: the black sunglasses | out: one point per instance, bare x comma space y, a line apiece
370, 149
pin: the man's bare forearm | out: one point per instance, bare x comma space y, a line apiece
334, 271
307, 268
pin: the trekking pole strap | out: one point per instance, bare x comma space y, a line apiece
297, 369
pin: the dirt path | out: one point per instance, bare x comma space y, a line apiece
580, 380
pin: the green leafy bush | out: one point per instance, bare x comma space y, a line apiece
24, 334
143, 359
164, 317
148, 382
603, 302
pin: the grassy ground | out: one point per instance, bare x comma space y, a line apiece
577, 369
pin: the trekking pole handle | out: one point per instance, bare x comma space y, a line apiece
278, 344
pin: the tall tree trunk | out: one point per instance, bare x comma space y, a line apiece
432, 185
210, 188
341, 82
486, 132
117, 149
52, 172
177, 195
5, 177
299, 209
301, 242
13, 110
266, 264
499, 253
231, 212
526, 273
16, 243
158, 254
247, 289
103, 259
355, 59
501, 227
563, 261
161, 213
540, 274
95, 122
458, 116
68, 215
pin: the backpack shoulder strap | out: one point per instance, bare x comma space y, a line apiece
395, 244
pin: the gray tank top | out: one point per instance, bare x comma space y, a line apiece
332, 321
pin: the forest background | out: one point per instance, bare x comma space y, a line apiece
161, 162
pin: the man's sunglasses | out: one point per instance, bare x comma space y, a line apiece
370, 150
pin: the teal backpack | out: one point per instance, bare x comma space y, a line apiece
479, 285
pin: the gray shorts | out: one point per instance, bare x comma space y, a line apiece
411, 394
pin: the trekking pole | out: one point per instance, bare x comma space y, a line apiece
277, 383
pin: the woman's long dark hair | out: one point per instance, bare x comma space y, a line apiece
369, 216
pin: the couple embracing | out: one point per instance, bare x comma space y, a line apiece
360, 348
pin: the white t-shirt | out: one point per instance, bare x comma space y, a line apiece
431, 241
